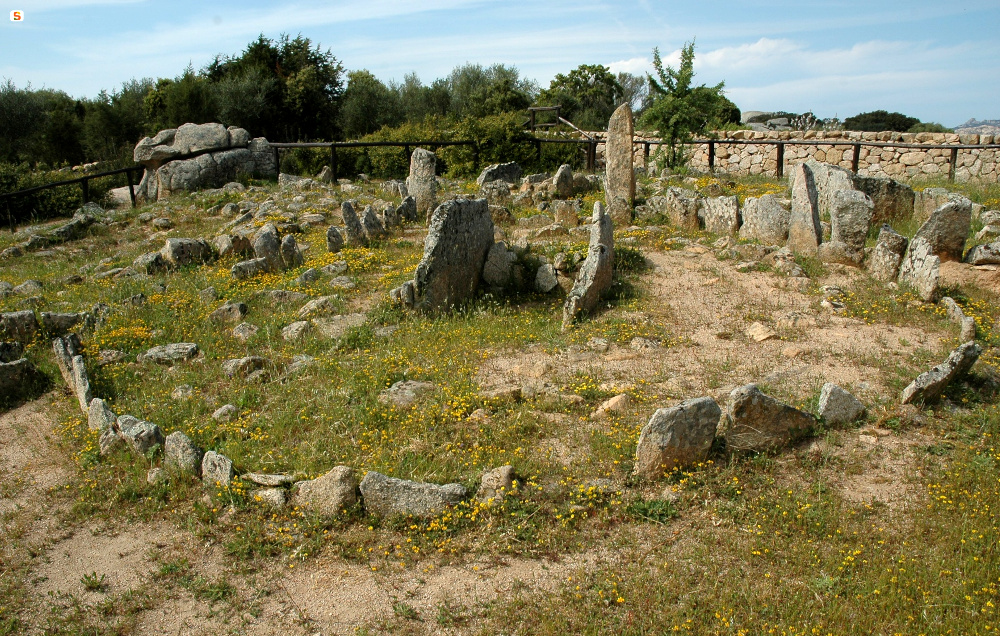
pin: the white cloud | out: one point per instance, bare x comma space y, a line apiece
637, 65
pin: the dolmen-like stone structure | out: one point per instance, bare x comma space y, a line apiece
198, 156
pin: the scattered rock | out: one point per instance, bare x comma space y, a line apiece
244, 331
496, 484
929, 386
506, 172
225, 413
243, 367
216, 470
676, 436
232, 311
757, 422
947, 229
546, 279
181, 454
180, 252
596, 273
837, 407
405, 393
612, 406
721, 215
169, 354
765, 220
330, 494
141, 436
563, 182
273, 498
883, 264
851, 214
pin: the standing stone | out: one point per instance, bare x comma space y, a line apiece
947, 229
721, 215
507, 172
804, 231
267, 245
619, 180
928, 200
563, 181
765, 220
883, 264
499, 265
334, 240
893, 200
566, 213
828, 179
546, 278
929, 386
757, 422
675, 437
850, 219
596, 273
458, 239
181, 454
356, 236
81, 383
680, 206
838, 407
407, 209
921, 269
65, 349
374, 229
389, 497
422, 182
100, 417
216, 469
290, 253
330, 494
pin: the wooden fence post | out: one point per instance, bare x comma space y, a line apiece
780, 169
954, 164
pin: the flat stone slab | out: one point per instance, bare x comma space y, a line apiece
170, 353
390, 497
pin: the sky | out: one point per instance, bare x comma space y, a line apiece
937, 61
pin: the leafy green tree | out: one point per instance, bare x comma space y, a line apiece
61, 137
482, 91
880, 120
418, 102
929, 127
188, 99
247, 98
22, 118
678, 110
368, 105
297, 96
635, 91
114, 123
588, 95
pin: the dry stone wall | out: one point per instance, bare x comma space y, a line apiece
906, 163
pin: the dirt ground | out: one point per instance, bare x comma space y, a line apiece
708, 307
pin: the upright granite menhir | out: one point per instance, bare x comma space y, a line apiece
458, 240
422, 183
620, 174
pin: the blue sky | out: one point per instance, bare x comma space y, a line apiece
938, 61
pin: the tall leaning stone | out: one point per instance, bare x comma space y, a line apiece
355, 231
422, 184
620, 174
677, 436
596, 273
804, 230
458, 239
948, 228
921, 269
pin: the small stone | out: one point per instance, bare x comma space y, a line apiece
244, 331
169, 354
496, 483
546, 278
225, 413
837, 407
295, 331
929, 386
216, 469
677, 436
141, 436
232, 311
405, 394
100, 417
182, 392
612, 406
758, 332
181, 454
273, 498
156, 476
389, 497
269, 479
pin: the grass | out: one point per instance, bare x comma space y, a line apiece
766, 544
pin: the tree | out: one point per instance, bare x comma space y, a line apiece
188, 99
677, 110
479, 91
879, 120
21, 119
114, 123
588, 95
368, 105
635, 91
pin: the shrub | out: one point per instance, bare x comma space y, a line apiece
44, 204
